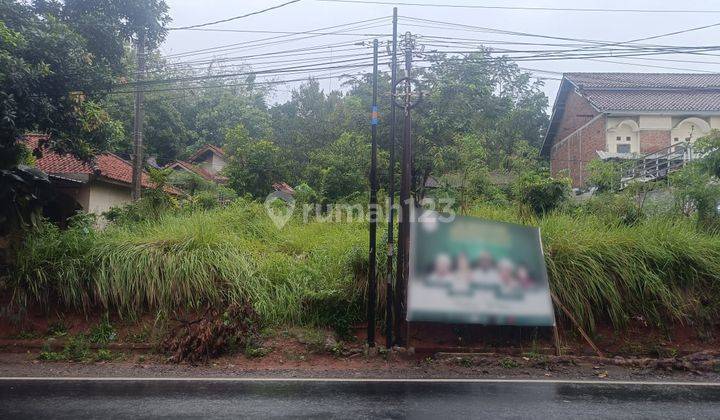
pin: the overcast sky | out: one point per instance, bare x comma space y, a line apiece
312, 14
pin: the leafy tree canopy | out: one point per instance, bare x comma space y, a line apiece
58, 60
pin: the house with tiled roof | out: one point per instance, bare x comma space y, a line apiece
94, 186
207, 163
626, 116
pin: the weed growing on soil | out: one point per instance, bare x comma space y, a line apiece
142, 336
76, 349
57, 329
48, 355
27, 335
509, 363
104, 355
252, 352
465, 362
103, 332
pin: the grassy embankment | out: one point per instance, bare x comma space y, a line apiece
662, 270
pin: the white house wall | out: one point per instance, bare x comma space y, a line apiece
680, 127
655, 122
104, 196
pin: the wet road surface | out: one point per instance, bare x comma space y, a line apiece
351, 399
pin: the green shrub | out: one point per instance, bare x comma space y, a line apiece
605, 175
76, 349
103, 332
612, 208
697, 194
540, 192
50, 356
205, 200
104, 355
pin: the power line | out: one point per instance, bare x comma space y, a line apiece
530, 8
253, 31
281, 53
254, 65
292, 69
261, 41
229, 85
473, 28
234, 18
630, 43
260, 59
651, 65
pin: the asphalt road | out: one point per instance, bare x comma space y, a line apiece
351, 399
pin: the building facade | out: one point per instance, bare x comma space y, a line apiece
95, 186
627, 115
208, 163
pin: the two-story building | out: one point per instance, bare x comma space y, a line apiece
626, 115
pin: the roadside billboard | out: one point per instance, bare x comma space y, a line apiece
476, 271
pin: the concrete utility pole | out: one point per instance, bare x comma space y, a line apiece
391, 192
137, 162
372, 275
410, 100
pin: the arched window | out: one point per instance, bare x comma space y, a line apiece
689, 130
623, 138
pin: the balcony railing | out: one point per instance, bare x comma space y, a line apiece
658, 164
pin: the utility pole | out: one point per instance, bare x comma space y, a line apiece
372, 277
137, 163
403, 268
391, 193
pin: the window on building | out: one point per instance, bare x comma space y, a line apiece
627, 138
623, 148
618, 138
676, 139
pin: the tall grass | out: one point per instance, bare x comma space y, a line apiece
190, 260
660, 270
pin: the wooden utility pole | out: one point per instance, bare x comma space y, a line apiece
372, 276
391, 193
137, 162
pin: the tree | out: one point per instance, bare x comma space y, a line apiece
708, 148
305, 123
696, 186
254, 165
462, 167
57, 62
341, 168
480, 95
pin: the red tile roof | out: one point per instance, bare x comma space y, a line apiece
106, 165
191, 168
207, 148
283, 187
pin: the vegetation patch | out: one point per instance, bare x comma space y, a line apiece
661, 269
213, 333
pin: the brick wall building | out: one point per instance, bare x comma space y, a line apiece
625, 115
